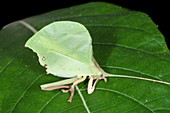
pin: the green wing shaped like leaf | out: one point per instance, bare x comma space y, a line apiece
65, 49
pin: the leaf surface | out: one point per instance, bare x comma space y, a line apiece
125, 42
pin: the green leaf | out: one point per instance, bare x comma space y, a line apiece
125, 42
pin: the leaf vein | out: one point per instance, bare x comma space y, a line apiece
162, 109
11, 60
28, 26
117, 92
131, 70
50, 100
25, 92
103, 108
129, 27
127, 47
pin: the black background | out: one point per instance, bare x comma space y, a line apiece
158, 10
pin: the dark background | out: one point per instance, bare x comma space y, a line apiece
158, 10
